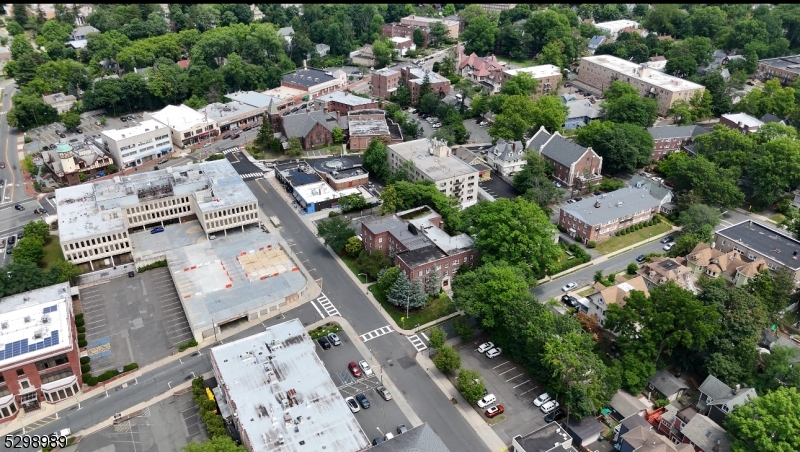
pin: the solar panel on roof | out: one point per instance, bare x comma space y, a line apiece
22, 346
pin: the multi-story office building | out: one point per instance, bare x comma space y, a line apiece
133, 146
315, 82
39, 359
233, 115
187, 127
601, 70
95, 219
433, 160
385, 82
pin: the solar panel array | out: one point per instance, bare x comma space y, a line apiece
22, 347
50, 309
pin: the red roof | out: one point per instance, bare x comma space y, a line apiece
184, 63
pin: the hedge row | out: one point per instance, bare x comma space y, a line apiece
636, 227
184, 345
107, 375
158, 264
215, 425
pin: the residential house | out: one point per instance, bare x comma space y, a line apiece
573, 165
479, 70
753, 240
669, 139
624, 406
614, 27
363, 56
657, 63
60, 101
644, 439
769, 117
416, 241
286, 33
785, 69
713, 263
630, 422
598, 218
718, 399
661, 270
705, 435
313, 128
584, 432
322, 49
507, 157
674, 419
403, 45
81, 33
741, 122
663, 385
596, 304
258, 15
595, 42
69, 160
581, 111
655, 188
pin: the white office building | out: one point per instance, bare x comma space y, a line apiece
187, 126
133, 146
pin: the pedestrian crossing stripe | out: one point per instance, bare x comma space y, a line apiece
251, 175
233, 149
328, 306
376, 333
418, 343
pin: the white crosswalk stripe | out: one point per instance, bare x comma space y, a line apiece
418, 343
328, 306
251, 175
233, 149
376, 333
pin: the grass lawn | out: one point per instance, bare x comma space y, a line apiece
778, 217
52, 252
619, 242
440, 307
586, 292
352, 265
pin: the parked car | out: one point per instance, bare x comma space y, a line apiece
669, 246
39, 211
542, 399
20, 235
667, 239
401, 429
236, 135
569, 286
549, 406
557, 184
362, 400
640, 258
597, 193
493, 353
157, 230
53, 196
58, 132
12, 239
385, 394
556, 415
334, 339
9, 249
351, 402
494, 411
388, 436
163, 161
97, 123
207, 144
365, 367
19, 207
62, 135
354, 369
226, 136
324, 343
569, 300
487, 400
2, 182
131, 274
485, 347
376, 441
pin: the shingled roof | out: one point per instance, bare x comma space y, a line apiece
300, 125
562, 150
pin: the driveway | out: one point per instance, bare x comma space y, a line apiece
477, 134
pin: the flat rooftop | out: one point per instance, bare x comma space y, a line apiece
178, 117
281, 390
436, 168
743, 118
285, 93
347, 173
429, 20
633, 70
420, 73
254, 98
787, 63
35, 323
545, 439
769, 242
544, 70
96, 208
321, 191
308, 77
617, 25
234, 109
362, 125
128, 132
345, 98
618, 203
299, 174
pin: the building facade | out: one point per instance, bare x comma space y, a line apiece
742, 122
432, 159
601, 70
344, 102
367, 125
39, 361
507, 157
315, 82
233, 116
426, 22
69, 161
187, 127
753, 240
385, 82
669, 139
415, 76
573, 165
598, 218
548, 76
133, 146
785, 69
398, 30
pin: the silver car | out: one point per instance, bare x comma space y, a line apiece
334, 338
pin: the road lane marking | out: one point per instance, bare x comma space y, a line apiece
368, 336
328, 306
417, 343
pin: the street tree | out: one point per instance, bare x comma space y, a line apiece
29, 249
437, 337
335, 232
447, 360
387, 277
533, 181
372, 263
470, 385
71, 119
624, 147
769, 423
700, 219
485, 292
38, 229
265, 140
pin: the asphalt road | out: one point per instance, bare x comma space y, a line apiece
14, 189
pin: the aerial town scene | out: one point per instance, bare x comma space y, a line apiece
399, 227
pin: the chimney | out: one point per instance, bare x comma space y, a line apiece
597, 204
304, 64
737, 388
514, 146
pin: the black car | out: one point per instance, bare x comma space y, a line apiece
58, 132
295, 110
123, 119
12, 239
569, 300
20, 235
62, 135
226, 136
303, 106
556, 415
597, 193
131, 274
53, 196
235, 136
668, 239
286, 113
19, 207
39, 211
376, 441
9, 249
640, 258
324, 343
79, 130
2, 182
362, 400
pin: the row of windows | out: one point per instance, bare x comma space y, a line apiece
57, 375
98, 251
232, 211
144, 142
54, 361
96, 241
162, 137
128, 154
157, 205
162, 143
9, 409
61, 394
137, 219
231, 221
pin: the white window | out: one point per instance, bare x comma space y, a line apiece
380, 239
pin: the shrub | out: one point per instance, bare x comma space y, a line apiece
81, 336
591, 244
463, 328
28, 139
89, 380
86, 368
181, 346
784, 205
561, 228
158, 264
660, 403
78, 316
632, 268
82, 343
80, 322
192, 343
333, 213
81, 329
85, 359
130, 367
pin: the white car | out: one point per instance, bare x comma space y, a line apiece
351, 402
493, 353
569, 287
549, 406
488, 399
542, 399
485, 347
558, 185
669, 246
365, 367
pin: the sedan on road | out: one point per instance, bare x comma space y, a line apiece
493, 353
2, 165
157, 230
667, 239
362, 400
365, 367
640, 258
485, 347
19, 207
354, 369
351, 402
385, 394
226, 136
669, 246
494, 411
569, 287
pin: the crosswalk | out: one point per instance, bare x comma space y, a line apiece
326, 304
233, 149
251, 176
376, 333
417, 342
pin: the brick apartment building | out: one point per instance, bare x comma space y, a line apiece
601, 70
398, 30
366, 125
669, 139
597, 218
414, 239
573, 165
742, 122
784, 69
548, 76
453, 27
39, 361
386, 81
344, 102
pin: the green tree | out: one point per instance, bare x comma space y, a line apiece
533, 181
338, 135
37, 229
774, 290
372, 263
520, 113
480, 35
470, 385
778, 370
624, 147
387, 278
438, 32
63, 271
335, 232
404, 294
624, 105
433, 283
376, 159
521, 84
700, 219
71, 119
217, 443
686, 242
447, 360
403, 95
352, 202
29, 249
383, 52
484, 292
295, 147
265, 140
698, 180
437, 337
463, 328
419, 38
390, 201
353, 246
769, 423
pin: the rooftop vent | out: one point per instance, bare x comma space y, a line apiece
4, 325
27, 319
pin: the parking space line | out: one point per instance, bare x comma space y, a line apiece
507, 371
315, 307
514, 377
503, 364
526, 381
529, 390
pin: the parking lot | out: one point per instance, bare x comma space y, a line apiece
382, 416
514, 389
138, 319
46, 135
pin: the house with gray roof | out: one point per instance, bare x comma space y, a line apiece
507, 157
286, 33
663, 385
597, 218
418, 439
718, 399
655, 188
705, 435
595, 42
313, 128
669, 139
624, 405
573, 164
81, 33
581, 111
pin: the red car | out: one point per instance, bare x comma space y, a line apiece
354, 369
494, 411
